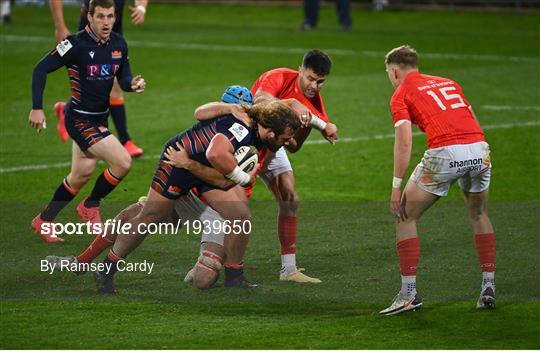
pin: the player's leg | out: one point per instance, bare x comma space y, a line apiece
156, 209
415, 201
232, 205
118, 114
208, 266
475, 187
98, 244
344, 14
484, 238
196, 214
279, 178
82, 167
311, 14
111, 151
5, 11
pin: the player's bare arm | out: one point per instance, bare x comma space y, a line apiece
402, 157
220, 155
60, 29
138, 12
215, 109
297, 141
180, 159
308, 119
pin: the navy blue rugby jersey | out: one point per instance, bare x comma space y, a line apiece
92, 66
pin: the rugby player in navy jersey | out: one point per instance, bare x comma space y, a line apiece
117, 109
213, 144
94, 57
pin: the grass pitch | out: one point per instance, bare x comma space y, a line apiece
188, 55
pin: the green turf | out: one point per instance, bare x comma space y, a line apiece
345, 237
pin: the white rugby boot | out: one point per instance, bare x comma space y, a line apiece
403, 303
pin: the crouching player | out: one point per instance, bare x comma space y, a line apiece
457, 151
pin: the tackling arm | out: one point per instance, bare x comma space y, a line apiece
179, 158
212, 110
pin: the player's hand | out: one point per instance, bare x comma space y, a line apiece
238, 112
252, 179
397, 208
36, 118
330, 133
302, 112
178, 158
137, 14
138, 84
61, 33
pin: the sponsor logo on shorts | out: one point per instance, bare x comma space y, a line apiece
474, 164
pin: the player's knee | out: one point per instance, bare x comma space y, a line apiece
204, 279
128, 213
78, 179
289, 201
122, 166
477, 207
207, 269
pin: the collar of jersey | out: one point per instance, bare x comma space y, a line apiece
93, 35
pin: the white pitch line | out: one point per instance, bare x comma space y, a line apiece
283, 50
510, 108
309, 142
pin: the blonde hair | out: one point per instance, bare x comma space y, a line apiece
275, 115
404, 56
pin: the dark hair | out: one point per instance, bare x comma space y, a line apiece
403, 56
106, 4
275, 115
318, 61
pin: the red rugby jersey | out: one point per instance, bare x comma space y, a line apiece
282, 83
438, 107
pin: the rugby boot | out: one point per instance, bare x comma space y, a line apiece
298, 276
403, 303
104, 282
38, 226
133, 150
61, 263
239, 281
88, 214
61, 126
487, 298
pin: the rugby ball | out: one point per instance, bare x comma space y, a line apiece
247, 158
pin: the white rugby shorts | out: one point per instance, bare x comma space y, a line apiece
190, 208
469, 164
275, 164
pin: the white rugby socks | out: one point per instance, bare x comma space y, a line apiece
288, 263
408, 285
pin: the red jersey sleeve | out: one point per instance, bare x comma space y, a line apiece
398, 106
270, 82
